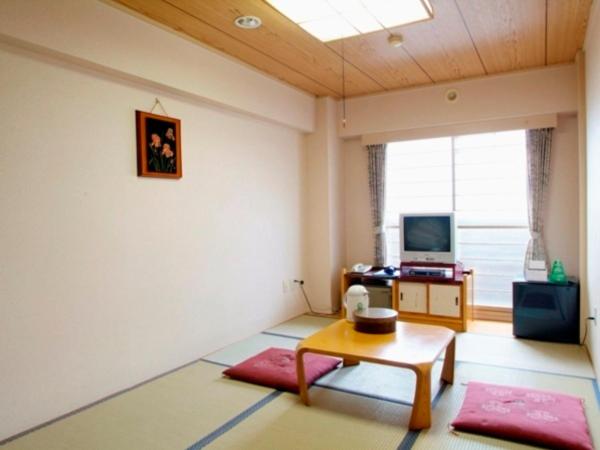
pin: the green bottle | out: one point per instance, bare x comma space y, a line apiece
557, 273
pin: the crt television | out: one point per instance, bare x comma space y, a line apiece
428, 238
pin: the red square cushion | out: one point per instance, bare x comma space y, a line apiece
276, 368
535, 417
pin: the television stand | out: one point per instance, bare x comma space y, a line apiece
430, 299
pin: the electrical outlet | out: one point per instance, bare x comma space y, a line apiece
284, 286
595, 316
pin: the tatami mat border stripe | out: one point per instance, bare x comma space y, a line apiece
297, 338
411, 437
596, 391
409, 440
216, 363
233, 422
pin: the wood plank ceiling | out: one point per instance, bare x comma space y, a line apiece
466, 38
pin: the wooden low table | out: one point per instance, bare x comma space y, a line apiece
412, 346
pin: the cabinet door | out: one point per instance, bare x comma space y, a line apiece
412, 297
444, 300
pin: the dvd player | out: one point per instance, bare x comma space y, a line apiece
426, 273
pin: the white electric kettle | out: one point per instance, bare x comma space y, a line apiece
356, 298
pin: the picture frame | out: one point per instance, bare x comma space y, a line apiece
158, 145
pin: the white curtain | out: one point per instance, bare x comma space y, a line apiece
539, 143
377, 191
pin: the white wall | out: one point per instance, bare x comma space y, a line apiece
518, 94
359, 228
562, 212
101, 36
318, 204
106, 278
324, 208
337, 228
561, 220
592, 100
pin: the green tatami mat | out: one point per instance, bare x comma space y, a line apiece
239, 351
564, 359
301, 326
359, 407
171, 412
334, 421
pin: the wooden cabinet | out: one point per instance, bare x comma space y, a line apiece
444, 300
434, 302
442, 303
412, 297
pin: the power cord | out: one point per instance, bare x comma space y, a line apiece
301, 283
587, 319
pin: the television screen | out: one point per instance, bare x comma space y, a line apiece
427, 234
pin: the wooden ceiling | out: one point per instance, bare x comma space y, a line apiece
466, 38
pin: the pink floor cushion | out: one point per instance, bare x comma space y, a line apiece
276, 368
535, 417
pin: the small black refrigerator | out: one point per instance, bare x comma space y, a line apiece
546, 311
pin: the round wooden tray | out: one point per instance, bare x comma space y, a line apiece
375, 320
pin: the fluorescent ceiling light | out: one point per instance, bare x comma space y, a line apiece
358, 16
329, 28
393, 13
329, 20
303, 10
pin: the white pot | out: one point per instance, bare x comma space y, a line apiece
357, 297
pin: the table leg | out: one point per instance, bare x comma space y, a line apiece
302, 387
448, 368
350, 362
421, 412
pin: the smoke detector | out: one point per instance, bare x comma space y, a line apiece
395, 40
248, 22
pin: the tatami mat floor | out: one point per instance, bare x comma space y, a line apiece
361, 407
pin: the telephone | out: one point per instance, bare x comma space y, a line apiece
361, 268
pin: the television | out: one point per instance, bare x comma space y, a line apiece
428, 238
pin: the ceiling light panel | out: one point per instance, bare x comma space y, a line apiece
329, 20
395, 13
359, 17
330, 28
303, 10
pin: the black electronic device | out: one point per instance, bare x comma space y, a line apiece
426, 273
546, 311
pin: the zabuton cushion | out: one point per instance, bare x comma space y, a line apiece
535, 417
276, 368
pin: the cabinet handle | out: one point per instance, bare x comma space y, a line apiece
401, 296
456, 301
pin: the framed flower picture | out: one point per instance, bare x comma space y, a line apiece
158, 145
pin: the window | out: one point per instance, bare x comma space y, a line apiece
483, 179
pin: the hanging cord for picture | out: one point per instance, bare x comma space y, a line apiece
158, 103
343, 87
